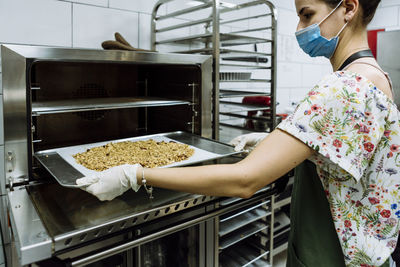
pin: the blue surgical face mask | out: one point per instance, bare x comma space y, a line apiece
314, 44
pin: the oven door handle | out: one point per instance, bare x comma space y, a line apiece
140, 241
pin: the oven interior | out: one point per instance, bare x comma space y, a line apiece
59, 84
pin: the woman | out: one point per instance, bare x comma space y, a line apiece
345, 204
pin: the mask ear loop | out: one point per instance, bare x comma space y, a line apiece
344, 26
331, 13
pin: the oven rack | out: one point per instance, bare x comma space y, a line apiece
233, 115
226, 52
248, 81
242, 220
238, 227
239, 93
244, 255
231, 125
92, 104
226, 39
241, 234
247, 107
239, 212
247, 66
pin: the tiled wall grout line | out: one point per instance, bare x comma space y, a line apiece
138, 26
72, 25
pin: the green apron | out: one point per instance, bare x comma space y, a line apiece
313, 240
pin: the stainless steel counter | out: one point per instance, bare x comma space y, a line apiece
72, 216
64, 210
51, 218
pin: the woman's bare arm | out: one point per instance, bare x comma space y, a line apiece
272, 158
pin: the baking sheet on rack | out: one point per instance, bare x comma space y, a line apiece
67, 153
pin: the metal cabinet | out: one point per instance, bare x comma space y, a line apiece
241, 234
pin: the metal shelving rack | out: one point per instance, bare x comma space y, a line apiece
243, 235
240, 44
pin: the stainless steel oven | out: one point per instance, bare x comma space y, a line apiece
54, 98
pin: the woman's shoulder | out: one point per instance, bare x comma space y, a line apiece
375, 76
361, 87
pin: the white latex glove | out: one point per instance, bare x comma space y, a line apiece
109, 184
247, 142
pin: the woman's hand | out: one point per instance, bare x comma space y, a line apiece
109, 184
247, 142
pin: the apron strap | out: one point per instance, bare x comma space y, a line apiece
355, 56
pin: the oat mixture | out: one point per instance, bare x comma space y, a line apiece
147, 153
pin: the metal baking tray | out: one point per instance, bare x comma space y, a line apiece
62, 166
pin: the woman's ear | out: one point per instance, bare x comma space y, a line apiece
351, 9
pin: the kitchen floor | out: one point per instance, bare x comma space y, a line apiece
280, 259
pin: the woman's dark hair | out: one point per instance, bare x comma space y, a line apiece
368, 8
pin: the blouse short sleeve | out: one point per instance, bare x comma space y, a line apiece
340, 121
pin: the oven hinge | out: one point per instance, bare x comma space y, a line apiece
194, 105
10, 167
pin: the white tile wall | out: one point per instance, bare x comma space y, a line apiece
183, 4
398, 19
390, 3
93, 25
241, 13
143, 6
288, 49
289, 74
282, 99
284, 4
311, 74
40, 22
144, 30
289, 19
385, 17
173, 33
92, 2
297, 94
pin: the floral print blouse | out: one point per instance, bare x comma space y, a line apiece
355, 129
